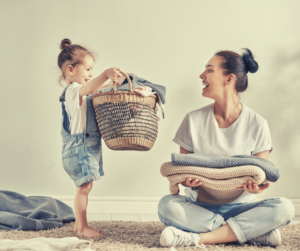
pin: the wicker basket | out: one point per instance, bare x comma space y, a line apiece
127, 121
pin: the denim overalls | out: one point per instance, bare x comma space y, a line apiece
82, 152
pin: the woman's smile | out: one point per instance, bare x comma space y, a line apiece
206, 85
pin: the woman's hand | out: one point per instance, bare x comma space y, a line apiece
114, 74
190, 182
253, 187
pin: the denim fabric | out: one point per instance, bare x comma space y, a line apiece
136, 81
247, 220
19, 212
216, 161
81, 153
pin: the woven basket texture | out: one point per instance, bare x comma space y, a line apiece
126, 120
219, 184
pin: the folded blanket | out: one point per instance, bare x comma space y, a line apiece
18, 212
215, 161
46, 244
219, 185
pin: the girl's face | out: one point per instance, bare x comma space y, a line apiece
83, 72
213, 78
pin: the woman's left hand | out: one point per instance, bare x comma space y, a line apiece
253, 187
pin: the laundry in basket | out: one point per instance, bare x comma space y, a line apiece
126, 120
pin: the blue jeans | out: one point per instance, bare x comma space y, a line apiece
247, 220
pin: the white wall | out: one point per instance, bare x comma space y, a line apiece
165, 41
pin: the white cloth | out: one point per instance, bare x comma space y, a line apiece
76, 113
46, 244
199, 132
146, 91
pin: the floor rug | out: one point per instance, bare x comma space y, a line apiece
129, 235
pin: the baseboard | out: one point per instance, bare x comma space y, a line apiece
131, 205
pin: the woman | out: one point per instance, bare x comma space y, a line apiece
226, 127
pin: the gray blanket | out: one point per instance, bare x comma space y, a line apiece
209, 160
18, 212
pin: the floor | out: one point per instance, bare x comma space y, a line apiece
136, 217
122, 217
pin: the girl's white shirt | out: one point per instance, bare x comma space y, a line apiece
199, 132
76, 113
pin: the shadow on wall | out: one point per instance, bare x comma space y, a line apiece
279, 103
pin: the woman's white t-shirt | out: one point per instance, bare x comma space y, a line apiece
76, 112
199, 132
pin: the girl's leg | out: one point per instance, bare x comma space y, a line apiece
80, 205
76, 226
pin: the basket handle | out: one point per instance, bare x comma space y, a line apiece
128, 79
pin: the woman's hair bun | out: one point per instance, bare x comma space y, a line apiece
65, 43
250, 63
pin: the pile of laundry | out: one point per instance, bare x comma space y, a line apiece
140, 86
219, 175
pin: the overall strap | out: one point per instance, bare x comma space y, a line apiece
66, 120
62, 96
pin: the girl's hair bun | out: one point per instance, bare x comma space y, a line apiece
250, 63
65, 43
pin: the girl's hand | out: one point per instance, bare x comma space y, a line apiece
113, 74
189, 182
253, 187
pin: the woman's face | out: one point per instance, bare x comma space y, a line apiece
213, 78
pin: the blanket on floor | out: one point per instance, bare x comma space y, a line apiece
215, 161
219, 185
46, 244
18, 212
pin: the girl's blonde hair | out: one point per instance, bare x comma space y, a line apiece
71, 54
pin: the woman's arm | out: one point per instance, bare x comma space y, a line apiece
253, 187
184, 151
263, 155
189, 182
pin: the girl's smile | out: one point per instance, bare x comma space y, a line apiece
82, 73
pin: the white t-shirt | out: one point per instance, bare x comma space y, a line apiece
199, 132
76, 113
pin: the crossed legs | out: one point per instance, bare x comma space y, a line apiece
244, 222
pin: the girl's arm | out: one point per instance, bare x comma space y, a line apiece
92, 86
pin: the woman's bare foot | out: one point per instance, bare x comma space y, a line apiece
88, 232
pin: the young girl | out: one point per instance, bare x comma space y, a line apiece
82, 158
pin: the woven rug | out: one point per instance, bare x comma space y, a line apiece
128, 235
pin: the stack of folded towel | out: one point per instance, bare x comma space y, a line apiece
219, 175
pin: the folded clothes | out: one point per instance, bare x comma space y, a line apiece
216, 161
136, 81
219, 185
18, 212
141, 86
46, 244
